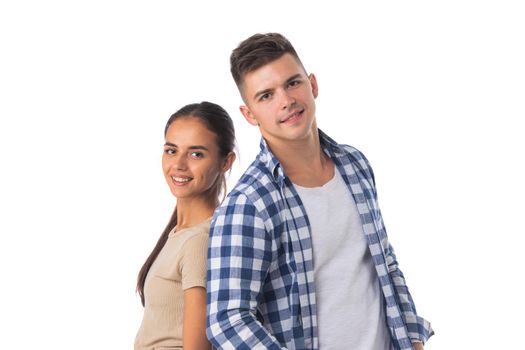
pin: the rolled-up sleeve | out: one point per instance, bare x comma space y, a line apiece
419, 329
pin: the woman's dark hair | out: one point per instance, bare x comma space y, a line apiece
218, 121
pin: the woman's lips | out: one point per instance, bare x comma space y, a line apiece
181, 180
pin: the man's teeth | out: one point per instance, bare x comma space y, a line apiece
181, 179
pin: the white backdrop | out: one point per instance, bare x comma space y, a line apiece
432, 93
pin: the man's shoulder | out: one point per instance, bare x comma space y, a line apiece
351, 158
342, 150
256, 195
256, 185
351, 154
352, 151
255, 176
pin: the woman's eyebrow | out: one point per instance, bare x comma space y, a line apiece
191, 147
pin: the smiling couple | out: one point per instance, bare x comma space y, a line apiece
297, 255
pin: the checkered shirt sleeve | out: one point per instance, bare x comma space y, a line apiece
239, 255
401, 309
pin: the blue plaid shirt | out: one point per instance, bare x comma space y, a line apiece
261, 288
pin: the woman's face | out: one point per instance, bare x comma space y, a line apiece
191, 161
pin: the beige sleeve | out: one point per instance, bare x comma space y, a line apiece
194, 261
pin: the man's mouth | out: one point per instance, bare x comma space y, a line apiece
294, 116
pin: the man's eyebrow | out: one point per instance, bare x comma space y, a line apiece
191, 147
293, 77
262, 92
265, 91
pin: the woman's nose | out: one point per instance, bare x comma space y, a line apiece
180, 162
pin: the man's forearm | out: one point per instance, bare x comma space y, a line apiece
418, 346
254, 335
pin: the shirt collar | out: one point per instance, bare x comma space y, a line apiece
329, 146
271, 162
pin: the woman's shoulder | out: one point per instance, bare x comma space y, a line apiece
198, 232
185, 247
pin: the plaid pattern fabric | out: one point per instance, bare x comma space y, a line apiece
261, 291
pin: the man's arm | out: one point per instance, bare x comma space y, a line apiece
418, 327
239, 256
418, 346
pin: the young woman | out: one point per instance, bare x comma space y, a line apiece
198, 150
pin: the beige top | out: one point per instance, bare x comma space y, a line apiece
181, 264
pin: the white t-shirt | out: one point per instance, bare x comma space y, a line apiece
350, 311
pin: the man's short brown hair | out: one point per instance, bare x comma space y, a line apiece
257, 51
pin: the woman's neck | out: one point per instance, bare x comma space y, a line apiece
192, 211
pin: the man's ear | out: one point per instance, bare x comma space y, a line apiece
228, 162
248, 115
313, 83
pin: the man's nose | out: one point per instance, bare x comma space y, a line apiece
287, 99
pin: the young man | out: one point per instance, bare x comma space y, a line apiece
298, 255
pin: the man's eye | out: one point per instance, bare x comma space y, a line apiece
265, 96
169, 151
294, 83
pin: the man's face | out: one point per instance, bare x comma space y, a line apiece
280, 99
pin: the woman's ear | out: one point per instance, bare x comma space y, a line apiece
228, 162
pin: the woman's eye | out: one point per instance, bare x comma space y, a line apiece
197, 155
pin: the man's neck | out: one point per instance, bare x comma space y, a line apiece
303, 161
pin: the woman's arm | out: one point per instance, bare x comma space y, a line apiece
194, 326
